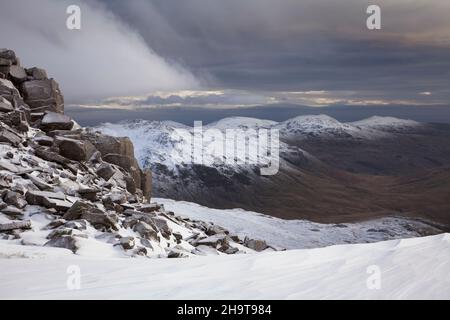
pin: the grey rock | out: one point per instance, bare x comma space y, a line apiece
89, 212
257, 245
106, 171
5, 62
12, 211
17, 74
14, 199
150, 208
55, 121
140, 251
48, 200
79, 208
162, 225
43, 140
76, 224
8, 166
66, 242
37, 73
127, 243
55, 224
145, 231
8, 90
214, 229
15, 225
60, 232
43, 95
89, 193
5, 105
75, 149
9, 55
38, 182
9, 136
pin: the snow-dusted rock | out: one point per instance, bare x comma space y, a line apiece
55, 121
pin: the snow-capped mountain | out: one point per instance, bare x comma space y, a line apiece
323, 165
386, 124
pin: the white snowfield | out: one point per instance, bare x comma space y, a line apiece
298, 234
417, 268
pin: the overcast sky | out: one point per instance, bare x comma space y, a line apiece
237, 52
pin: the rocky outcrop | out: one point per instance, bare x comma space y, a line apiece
89, 185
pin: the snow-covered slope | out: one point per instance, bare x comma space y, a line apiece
323, 126
299, 234
160, 143
388, 124
416, 268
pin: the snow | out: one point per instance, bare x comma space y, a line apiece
408, 269
297, 234
241, 122
159, 142
382, 122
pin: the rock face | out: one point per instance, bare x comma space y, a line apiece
42, 95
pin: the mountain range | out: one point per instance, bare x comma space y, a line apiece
330, 172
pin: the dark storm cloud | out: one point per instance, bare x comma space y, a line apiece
302, 44
137, 47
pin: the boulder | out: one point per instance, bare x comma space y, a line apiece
127, 243
89, 212
89, 193
38, 182
75, 149
162, 225
9, 55
8, 135
110, 145
76, 224
79, 208
257, 245
5, 105
214, 229
4, 63
55, 200
55, 224
146, 231
15, 225
130, 184
43, 95
66, 242
8, 90
12, 211
43, 140
17, 74
106, 171
127, 163
37, 73
152, 207
57, 233
212, 241
14, 199
55, 121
